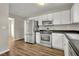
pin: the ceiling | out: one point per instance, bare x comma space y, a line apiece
33, 9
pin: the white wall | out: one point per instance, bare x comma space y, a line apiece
18, 26
4, 9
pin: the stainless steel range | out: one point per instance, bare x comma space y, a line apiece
46, 38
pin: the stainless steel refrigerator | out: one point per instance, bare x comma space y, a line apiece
29, 31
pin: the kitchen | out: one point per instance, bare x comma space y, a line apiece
51, 29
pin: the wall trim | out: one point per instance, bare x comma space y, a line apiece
19, 39
7, 50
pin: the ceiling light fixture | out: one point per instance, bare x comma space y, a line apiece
41, 3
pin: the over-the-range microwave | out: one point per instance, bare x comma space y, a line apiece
47, 22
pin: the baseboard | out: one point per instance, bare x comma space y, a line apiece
19, 39
4, 51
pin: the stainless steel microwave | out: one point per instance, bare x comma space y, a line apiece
47, 22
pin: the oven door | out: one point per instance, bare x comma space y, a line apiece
46, 40
45, 37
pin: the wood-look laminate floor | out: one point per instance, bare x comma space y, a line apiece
20, 48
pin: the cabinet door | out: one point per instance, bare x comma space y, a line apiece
71, 12
75, 13
38, 37
65, 17
57, 40
39, 22
66, 47
56, 18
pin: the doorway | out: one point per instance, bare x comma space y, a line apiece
11, 27
11, 35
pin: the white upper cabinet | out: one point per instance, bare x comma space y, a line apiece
49, 17
39, 20
62, 17
65, 17
56, 18
75, 13
71, 12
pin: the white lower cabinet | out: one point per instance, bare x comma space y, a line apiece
57, 40
66, 46
38, 37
